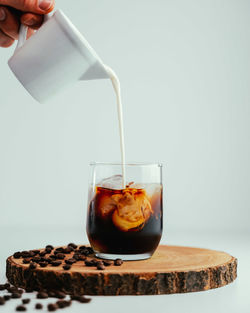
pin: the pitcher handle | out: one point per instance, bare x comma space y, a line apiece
23, 33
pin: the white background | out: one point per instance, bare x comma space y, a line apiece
185, 74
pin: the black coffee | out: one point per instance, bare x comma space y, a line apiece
126, 221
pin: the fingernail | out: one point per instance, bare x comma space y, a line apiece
45, 4
30, 22
2, 14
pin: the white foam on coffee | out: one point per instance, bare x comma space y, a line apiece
117, 88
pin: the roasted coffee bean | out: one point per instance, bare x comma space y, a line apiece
84, 251
15, 290
31, 252
63, 303
89, 263
16, 295
100, 266
28, 290
38, 306
7, 285
74, 246
7, 297
42, 253
81, 299
60, 304
32, 266
21, 308
91, 251
82, 257
43, 264
19, 290
68, 250
59, 249
52, 294
79, 257
26, 254
66, 267
60, 256
2, 287
52, 257
70, 261
75, 297
48, 250
52, 307
17, 255
36, 259
26, 301
2, 301
26, 261
76, 256
49, 247
60, 294
35, 252
82, 247
42, 295
12, 289
107, 262
56, 263
84, 299
118, 262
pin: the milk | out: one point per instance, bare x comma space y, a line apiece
117, 88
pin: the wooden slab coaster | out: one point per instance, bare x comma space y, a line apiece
172, 269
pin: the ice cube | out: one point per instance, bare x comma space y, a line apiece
113, 182
152, 189
136, 185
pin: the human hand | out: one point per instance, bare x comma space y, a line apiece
27, 12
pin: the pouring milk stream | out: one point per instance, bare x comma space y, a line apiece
117, 88
56, 56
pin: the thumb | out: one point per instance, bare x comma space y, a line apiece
33, 6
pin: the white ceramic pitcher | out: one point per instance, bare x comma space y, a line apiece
54, 57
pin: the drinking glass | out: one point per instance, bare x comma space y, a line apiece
124, 216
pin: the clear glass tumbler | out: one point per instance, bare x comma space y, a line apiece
125, 220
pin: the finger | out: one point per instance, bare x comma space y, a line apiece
5, 41
32, 20
34, 6
9, 23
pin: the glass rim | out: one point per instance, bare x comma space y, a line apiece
126, 164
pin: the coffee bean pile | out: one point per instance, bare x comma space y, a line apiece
15, 293
56, 257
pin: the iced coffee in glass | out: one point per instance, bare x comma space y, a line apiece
124, 218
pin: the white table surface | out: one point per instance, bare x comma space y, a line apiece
232, 298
